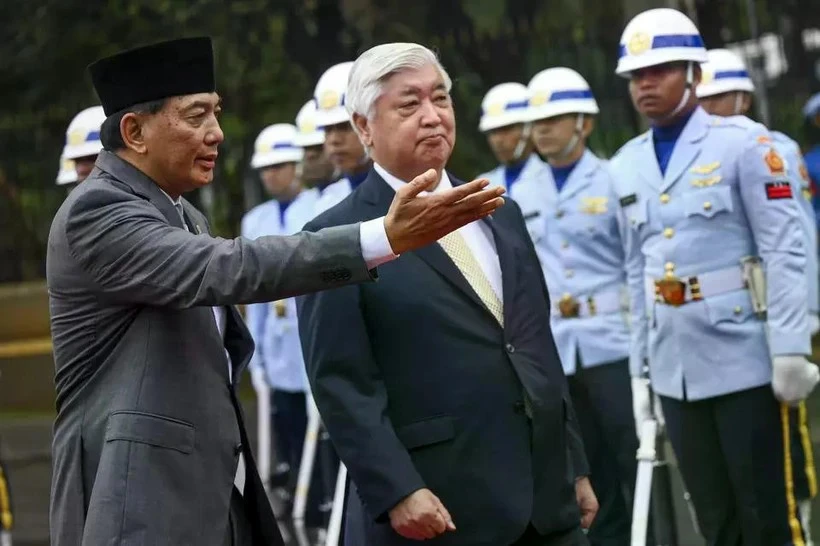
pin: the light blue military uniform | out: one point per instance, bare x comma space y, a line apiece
720, 201
274, 326
577, 238
496, 176
793, 157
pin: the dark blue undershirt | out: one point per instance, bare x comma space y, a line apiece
283, 206
665, 138
356, 179
512, 172
561, 174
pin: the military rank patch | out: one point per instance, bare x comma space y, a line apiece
774, 162
778, 190
763, 139
594, 205
630, 199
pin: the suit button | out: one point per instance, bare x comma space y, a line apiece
707, 205
510, 348
519, 407
668, 232
565, 244
559, 214
664, 198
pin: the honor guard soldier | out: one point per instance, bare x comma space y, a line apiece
727, 90
317, 170
572, 220
82, 144
342, 145
67, 173
716, 270
508, 134
277, 359
811, 120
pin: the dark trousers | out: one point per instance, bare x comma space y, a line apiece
289, 420
805, 477
573, 537
737, 467
602, 397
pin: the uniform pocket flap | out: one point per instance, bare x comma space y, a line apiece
708, 202
428, 432
732, 307
151, 429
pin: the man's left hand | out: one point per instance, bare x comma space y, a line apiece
587, 501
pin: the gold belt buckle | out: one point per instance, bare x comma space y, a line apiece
672, 290
569, 306
280, 307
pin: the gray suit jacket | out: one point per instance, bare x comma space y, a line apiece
148, 429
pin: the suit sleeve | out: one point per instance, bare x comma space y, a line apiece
803, 195
347, 387
135, 257
255, 313
634, 268
580, 465
774, 217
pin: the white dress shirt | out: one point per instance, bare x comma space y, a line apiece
477, 235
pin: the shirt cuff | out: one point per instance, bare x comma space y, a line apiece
376, 248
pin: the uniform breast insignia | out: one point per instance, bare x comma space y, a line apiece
706, 182
594, 205
778, 190
627, 200
706, 169
774, 162
763, 139
280, 308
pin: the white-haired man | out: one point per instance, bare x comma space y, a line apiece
441, 387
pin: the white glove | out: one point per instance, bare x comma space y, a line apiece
640, 402
258, 380
793, 378
814, 324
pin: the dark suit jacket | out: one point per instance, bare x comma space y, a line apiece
148, 429
419, 386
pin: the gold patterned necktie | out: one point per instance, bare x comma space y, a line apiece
456, 247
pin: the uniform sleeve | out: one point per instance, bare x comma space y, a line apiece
804, 196
634, 269
133, 256
775, 220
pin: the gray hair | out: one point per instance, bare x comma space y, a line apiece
376, 65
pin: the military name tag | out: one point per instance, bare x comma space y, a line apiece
630, 199
532, 215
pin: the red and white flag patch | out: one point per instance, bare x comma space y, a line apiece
778, 190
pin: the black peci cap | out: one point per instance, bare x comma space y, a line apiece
166, 69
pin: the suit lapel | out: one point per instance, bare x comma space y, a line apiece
507, 263
650, 171
378, 195
684, 153
140, 183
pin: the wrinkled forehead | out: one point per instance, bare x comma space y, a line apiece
422, 81
198, 101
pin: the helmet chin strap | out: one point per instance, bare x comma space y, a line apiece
690, 84
522, 142
738, 103
573, 142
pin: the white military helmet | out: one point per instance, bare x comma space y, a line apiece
558, 91
275, 145
330, 95
659, 36
503, 105
307, 133
83, 134
724, 72
67, 173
